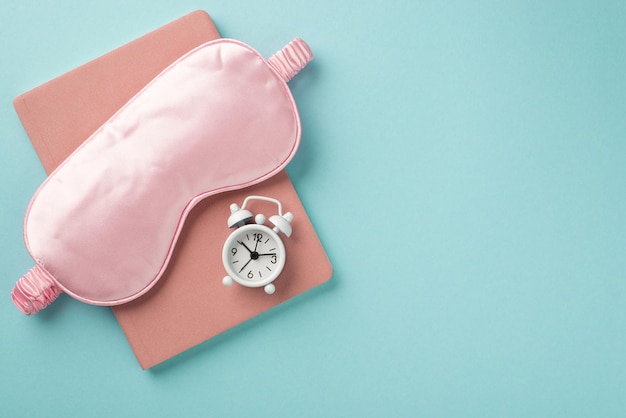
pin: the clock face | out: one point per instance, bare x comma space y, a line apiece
253, 255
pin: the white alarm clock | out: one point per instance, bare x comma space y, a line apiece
254, 254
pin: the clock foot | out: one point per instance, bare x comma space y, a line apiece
227, 281
270, 289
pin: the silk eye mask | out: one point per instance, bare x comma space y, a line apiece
103, 225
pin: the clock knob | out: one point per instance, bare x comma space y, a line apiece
282, 223
238, 216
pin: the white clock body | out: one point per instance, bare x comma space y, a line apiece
253, 256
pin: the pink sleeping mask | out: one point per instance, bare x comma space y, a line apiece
103, 225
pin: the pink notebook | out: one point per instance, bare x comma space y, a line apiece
189, 304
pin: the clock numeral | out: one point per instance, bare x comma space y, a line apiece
273, 260
257, 237
250, 275
233, 251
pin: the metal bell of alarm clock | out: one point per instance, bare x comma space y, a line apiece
254, 254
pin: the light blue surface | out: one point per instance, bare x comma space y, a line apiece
464, 164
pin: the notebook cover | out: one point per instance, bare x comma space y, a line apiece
189, 304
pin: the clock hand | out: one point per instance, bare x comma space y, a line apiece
267, 254
245, 246
244, 266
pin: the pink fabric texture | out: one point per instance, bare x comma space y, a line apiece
35, 291
103, 226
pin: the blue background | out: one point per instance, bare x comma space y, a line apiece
464, 164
